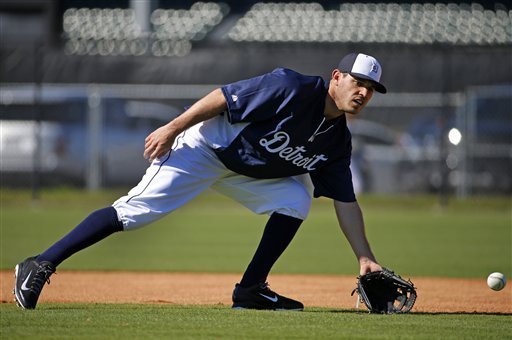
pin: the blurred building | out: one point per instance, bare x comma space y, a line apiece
447, 65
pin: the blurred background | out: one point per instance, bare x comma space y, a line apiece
82, 83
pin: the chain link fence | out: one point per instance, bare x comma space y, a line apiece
93, 136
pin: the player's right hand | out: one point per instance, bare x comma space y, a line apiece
159, 142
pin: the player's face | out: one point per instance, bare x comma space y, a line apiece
350, 94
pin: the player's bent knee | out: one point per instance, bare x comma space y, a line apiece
298, 205
135, 216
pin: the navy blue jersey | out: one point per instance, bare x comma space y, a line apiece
287, 134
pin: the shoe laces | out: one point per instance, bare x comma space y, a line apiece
42, 276
265, 286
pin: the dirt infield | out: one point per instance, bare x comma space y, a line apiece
435, 295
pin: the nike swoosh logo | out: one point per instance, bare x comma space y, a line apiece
273, 299
24, 284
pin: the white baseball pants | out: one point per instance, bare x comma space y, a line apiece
190, 168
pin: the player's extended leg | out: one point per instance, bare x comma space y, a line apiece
32, 273
168, 184
97, 226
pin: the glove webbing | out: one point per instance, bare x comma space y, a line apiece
404, 292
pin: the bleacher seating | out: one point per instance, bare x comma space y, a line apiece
375, 22
94, 31
115, 31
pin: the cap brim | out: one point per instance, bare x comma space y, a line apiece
378, 86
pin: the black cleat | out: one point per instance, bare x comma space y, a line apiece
260, 296
30, 277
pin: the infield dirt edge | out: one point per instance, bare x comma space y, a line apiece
435, 295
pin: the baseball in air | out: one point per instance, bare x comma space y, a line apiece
496, 281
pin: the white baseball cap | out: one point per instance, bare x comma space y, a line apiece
363, 66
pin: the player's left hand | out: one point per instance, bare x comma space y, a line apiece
366, 266
159, 142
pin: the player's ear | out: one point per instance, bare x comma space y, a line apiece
336, 75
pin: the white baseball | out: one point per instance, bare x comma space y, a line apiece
496, 281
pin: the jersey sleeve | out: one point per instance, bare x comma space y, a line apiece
334, 181
260, 98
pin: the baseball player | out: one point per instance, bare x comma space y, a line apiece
271, 143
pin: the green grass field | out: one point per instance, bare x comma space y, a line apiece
79, 321
412, 235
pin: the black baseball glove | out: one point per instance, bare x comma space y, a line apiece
385, 292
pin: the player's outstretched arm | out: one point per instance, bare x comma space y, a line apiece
351, 223
160, 141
